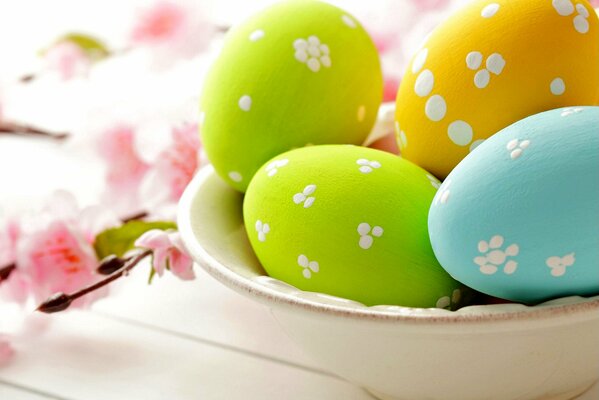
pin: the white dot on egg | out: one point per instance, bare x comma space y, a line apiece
460, 132
557, 86
490, 10
424, 83
582, 10
419, 60
256, 35
361, 113
403, 140
474, 59
481, 79
563, 7
245, 103
581, 24
235, 176
435, 108
347, 20
475, 144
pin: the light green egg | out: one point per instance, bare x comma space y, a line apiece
300, 72
348, 221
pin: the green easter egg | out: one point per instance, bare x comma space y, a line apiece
351, 222
300, 72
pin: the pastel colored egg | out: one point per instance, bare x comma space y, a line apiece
298, 73
518, 218
351, 222
491, 64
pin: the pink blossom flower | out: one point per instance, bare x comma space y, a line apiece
174, 168
125, 168
58, 259
67, 59
169, 253
172, 31
163, 22
6, 351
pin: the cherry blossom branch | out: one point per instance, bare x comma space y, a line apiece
61, 301
6, 271
18, 129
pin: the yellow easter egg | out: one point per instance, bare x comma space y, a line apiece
491, 64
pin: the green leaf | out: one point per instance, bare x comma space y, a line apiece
91, 46
120, 240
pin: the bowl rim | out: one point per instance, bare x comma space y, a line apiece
566, 306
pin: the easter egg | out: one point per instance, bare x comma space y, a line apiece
348, 221
298, 73
490, 65
518, 218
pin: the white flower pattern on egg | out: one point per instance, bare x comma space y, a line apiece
566, 8
365, 231
558, 264
312, 53
493, 257
494, 64
448, 302
516, 147
367, 166
263, 229
273, 167
308, 267
304, 196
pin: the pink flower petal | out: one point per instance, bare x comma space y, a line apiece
68, 59
181, 265
154, 239
161, 23
6, 351
159, 260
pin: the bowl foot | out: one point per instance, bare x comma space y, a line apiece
570, 395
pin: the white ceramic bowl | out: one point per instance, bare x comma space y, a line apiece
503, 352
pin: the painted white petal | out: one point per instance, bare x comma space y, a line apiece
265, 228
366, 242
324, 49
481, 79
309, 201
488, 269
496, 241
259, 226
313, 265
314, 65
375, 164
314, 41
443, 302
300, 44
456, 296
568, 259
302, 260
510, 267
512, 250
309, 189
480, 260
495, 63
307, 274
362, 161
298, 198
301, 56
563, 7
365, 169
325, 61
363, 228
483, 247
377, 231
474, 59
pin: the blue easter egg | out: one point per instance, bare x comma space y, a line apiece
518, 218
